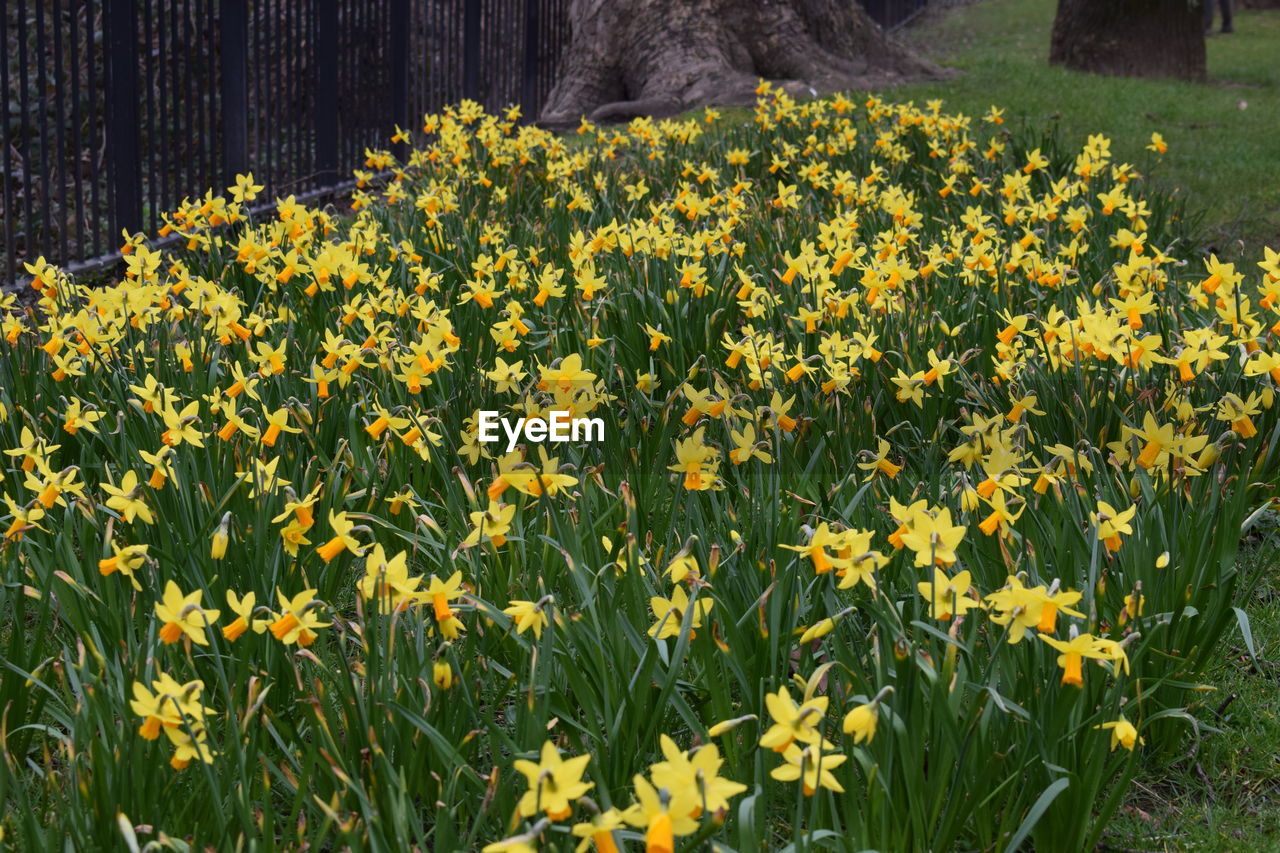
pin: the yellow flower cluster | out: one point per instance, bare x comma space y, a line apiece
886, 390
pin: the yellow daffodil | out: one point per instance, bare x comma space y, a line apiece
182, 616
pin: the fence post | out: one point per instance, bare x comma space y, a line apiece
326, 106
532, 44
124, 152
471, 49
235, 88
399, 56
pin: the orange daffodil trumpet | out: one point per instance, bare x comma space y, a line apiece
182, 616
342, 538
176, 711
298, 619
245, 612
848, 553
1111, 523
1074, 651
126, 560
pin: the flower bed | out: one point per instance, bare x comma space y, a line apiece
926, 453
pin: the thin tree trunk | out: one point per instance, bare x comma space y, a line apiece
1130, 38
659, 57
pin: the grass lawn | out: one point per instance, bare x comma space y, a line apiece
1223, 146
1223, 793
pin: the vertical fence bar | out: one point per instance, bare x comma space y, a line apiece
351, 110
355, 112
437, 62
490, 72
163, 174
151, 149
123, 149
181, 137
25, 133
471, 49
452, 19
875, 10
532, 47
234, 27
326, 105
77, 117
92, 56
47, 159
483, 72
400, 25
188, 166
303, 26
293, 154
63, 158
261, 35
209, 94
348, 118
10, 214
183, 43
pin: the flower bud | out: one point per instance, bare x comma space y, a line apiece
218, 547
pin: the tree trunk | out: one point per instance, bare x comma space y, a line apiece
628, 58
1130, 38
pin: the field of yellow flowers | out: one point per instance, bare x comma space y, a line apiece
927, 452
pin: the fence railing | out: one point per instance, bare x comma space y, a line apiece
894, 13
117, 110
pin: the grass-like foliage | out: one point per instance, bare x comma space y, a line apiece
927, 453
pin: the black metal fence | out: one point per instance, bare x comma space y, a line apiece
894, 13
116, 110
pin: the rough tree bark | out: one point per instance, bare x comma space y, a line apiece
658, 57
1130, 38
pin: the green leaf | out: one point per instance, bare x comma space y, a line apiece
1038, 809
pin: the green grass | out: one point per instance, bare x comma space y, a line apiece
1223, 146
1224, 792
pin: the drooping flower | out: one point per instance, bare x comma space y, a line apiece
342, 540
1123, 733
1074, 651
126, 560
